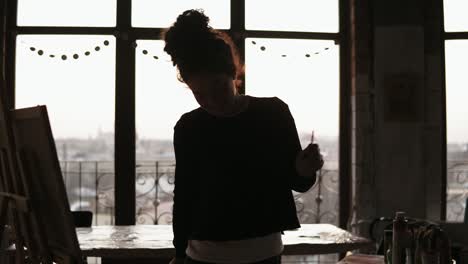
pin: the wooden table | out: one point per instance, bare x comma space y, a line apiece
362, 259
155, 241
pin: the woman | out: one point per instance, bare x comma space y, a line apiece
237, 157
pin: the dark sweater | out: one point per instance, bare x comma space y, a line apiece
234, 175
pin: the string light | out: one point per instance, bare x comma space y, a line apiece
307, 55
262, 48
64, 57
106, 43
76, 56
146, 52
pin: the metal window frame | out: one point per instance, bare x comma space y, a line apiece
443, 198
445, 36
126, 35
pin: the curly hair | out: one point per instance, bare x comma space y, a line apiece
196, 47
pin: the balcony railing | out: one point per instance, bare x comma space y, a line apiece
457, 189
90, 186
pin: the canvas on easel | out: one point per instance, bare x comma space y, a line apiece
15, 211
37, 155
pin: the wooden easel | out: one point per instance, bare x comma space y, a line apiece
15, 207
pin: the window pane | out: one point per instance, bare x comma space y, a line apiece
306, 77
85, 13
147, 13
79, 94
455, 15
160, 100
456, 56
294, 15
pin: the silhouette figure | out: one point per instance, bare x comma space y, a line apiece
237, 157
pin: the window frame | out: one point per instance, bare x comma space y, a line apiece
125, 131
446, 35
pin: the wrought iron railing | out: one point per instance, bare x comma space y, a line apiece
457, 189
90, 186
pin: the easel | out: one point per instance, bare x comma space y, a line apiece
16, 210
14, 203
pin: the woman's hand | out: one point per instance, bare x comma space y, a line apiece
309, 161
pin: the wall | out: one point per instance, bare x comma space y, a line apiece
398, 151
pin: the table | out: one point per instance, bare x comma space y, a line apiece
155, 241
362, 259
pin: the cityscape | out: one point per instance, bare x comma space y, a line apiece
88, 170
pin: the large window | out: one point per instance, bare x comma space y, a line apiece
160, 100
455, 15
74, 76
147, 13
83, 13
456, 58
295, 15
71, 55
113, 95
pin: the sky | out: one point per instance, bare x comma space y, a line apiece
79, 93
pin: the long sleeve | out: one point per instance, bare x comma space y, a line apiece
290, 148
181, 208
